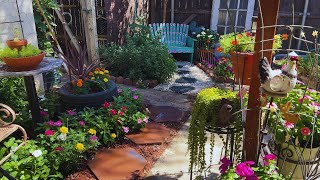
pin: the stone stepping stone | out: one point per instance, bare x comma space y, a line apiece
165, 114
186, 80
116, 164
153, 133
181, 89
182, 72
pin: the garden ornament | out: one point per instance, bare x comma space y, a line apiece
277, 83
225, 113
289, 117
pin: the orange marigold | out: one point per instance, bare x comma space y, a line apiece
97, 69
79, 84
239, 36
234, 42
91, 74
284, 36
219, 49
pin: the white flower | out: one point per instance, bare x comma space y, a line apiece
203, 33
193, 32
315, 33
37, 153
198, 35
62, 137
208, 29
210, 36
303, 35
203, 28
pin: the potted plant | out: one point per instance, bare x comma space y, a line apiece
16, 42
205, 44
28, 58
296, 132
241, 47
81, 91
214, 108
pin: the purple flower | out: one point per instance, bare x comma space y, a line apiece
135, 97
139, 121
134, 89
225, 164
82, 123
58, 123
43, 113
50, 123
254, 177
125, 129
146, 120
244, 169
93, 138
71, 113
119, 90
269, 157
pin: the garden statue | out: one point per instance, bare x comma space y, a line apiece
277, 83
225, 113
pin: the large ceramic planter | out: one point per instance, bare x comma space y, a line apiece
290, 165
242, 67
16, 44
24, 63
75, 101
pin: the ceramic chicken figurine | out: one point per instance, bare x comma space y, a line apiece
277, 83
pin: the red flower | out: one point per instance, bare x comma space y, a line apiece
49, 132
285, 36
234, 42
106, 104
58, 148
248, 34
124, 108
305, 131
113, 112
121, 113
219, 49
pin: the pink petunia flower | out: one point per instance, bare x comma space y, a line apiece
135, 97
71, 113
146, 120
288, 124
254, 177
305, 97
311, 90
125, 129
305, 131
225, 164
49, 132
113, 112
58, 123
50, 123
106, 104
134, 89
93, 138
139, 121
82, 123
58, 148
244, 169
119, 90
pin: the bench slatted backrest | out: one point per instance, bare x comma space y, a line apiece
170, 34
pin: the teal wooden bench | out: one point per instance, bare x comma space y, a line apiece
175, 36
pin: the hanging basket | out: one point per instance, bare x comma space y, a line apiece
242, 66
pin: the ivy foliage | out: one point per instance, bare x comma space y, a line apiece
205, 114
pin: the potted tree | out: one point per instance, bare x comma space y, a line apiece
16, 42
241, 47
88, 86
27, 58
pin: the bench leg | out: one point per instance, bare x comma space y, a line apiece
191, 58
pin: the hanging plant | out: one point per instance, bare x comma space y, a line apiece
210, 110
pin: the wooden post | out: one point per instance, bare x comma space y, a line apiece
270, 10
153, 11
165, 4
172, 11
90, 26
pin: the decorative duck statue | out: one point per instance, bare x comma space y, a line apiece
277, 83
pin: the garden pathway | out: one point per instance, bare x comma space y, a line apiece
188, 79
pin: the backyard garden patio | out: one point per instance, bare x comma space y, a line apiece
159, 90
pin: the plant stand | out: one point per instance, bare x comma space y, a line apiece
46, 65
205, 55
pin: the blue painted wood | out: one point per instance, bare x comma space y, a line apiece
174, 36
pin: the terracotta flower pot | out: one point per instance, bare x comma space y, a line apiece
25, 63
242, 66
16, 44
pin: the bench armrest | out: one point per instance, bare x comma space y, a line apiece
190, 41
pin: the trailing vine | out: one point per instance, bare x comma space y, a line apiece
205, 114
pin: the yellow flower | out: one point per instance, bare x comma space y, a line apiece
64, 130
315, 33
303, 34
93, 78
92, 131
106, 71
96, 72
113, 135
79, 147
105, 79
101, 72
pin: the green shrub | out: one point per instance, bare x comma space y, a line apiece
204, 114
26, 51
141, 57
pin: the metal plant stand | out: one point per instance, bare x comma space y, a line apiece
46, 65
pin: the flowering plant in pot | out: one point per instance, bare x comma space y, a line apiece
206, 39
16, 42
81, 91
27, 58
296, 131
244, 170
241, 47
